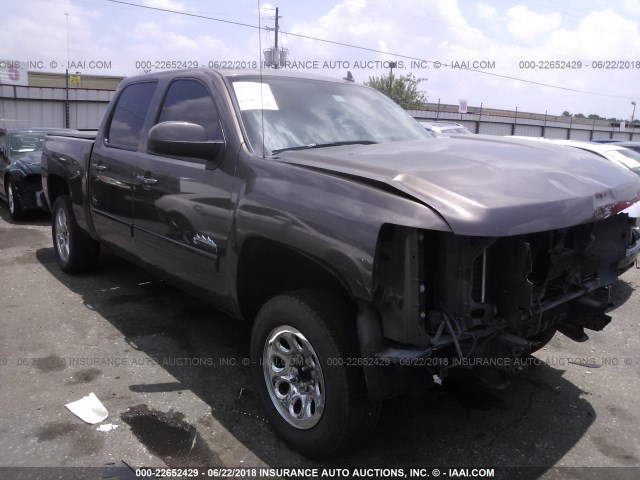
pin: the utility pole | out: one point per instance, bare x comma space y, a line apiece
276, 49
392, 65
276, 57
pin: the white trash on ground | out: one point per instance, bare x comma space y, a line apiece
89, 409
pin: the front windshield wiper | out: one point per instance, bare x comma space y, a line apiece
322, 145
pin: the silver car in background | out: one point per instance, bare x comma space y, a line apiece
444, 129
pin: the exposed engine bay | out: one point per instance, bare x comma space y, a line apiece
458, 297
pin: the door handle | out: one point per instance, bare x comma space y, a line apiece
100, 167
146, 180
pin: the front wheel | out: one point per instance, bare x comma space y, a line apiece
75, 250
15, 208
542, 339
303, 348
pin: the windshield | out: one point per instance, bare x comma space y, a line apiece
635, 148
305, 113
27, 142
628, 158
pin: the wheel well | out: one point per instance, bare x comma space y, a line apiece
7, 178
56, 187
267, 268
25, 178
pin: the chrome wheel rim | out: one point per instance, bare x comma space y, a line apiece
62, 235
293, 376
12, 204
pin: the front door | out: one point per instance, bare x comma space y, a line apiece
181, 209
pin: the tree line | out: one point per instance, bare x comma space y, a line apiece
593, 116
405, 91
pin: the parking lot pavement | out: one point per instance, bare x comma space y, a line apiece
169, 369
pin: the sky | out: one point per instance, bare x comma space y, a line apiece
501, 54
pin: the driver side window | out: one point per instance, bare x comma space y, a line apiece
190, 101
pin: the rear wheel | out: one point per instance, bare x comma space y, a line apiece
75, 250
15, 208
302, 350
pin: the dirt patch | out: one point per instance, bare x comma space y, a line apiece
85, 376
14, 236
52, 363
82, 440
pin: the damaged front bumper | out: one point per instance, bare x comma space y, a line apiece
632, 251
463, 299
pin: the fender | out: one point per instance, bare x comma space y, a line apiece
329, 218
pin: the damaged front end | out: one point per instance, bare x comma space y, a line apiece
481, 301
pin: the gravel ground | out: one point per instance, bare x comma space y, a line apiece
169, 369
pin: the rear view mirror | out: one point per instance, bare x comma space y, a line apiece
183, 139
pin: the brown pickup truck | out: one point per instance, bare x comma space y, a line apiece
368, 256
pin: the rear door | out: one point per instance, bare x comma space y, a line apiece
113, 163
181, 208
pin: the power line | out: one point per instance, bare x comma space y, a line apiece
194, 15
374, 50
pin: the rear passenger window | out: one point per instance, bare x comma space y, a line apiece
129, 114
190, 101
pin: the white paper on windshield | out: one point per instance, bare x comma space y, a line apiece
251, 96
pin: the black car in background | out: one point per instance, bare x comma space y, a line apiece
20, 181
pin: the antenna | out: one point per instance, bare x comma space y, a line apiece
66, 79
260, 61
67, 17
276, 49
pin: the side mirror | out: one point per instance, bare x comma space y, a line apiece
183, 139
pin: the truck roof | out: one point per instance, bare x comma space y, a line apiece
267, 72
35, 129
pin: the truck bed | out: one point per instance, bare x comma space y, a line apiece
65, 162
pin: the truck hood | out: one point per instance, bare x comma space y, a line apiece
29, 162
484, 185
28, 158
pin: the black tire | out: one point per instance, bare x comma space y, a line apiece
542, 339
15, 208
75, 250
327, 323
